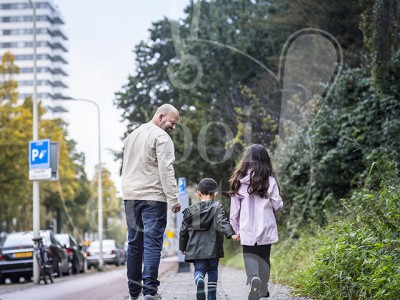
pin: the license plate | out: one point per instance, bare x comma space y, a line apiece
22, 254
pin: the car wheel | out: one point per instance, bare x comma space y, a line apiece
58, 270
69, 270
85, 266
14, 279
75, 266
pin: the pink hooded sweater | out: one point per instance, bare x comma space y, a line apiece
253, 217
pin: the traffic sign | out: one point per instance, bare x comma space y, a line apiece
181, 185
40, 174
39, 154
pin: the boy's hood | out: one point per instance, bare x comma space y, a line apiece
200, 215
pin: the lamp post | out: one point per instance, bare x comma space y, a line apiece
35, 184
99, 181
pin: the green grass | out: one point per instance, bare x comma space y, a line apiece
233, 255
291, 256
288, 257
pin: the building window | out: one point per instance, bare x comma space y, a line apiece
38, 5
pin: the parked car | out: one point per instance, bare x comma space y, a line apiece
112, 253
16, 258
126, 245
74, 250
2, 236
16, 255
57, 253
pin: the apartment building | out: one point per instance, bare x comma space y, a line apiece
16, 36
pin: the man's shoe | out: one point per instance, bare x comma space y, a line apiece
152, 297
201, 294
134, 298
254, 289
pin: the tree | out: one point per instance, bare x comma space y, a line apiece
353, 135
112, 205
235, 48
224, 44
14, 132
381, 25
16, 189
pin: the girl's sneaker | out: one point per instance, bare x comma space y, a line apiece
265, 297
254, 289
264, 293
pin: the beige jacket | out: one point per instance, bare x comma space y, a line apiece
148, 171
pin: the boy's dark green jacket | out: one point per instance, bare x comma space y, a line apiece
202, 232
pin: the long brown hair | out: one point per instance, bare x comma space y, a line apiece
255, 160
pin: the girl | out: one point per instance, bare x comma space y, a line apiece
255, 198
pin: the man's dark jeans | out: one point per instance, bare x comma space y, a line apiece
146, 222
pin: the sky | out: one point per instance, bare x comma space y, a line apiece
102, 35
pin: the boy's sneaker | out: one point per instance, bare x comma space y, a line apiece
254, 289
201, 294
152, 297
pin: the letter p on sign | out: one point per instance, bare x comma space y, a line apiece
35, 153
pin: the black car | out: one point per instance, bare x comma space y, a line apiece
16, 255
57, 253
74, 250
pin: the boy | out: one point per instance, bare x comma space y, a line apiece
202, 236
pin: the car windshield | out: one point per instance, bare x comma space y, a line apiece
63, 238
18, 239
46, 238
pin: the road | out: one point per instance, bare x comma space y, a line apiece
110, 284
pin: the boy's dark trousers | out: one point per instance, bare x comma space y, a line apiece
257, 264
210, 267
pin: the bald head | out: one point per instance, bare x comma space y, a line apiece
166, 117
165, 109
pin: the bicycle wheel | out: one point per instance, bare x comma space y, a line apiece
48, 273
47, 269
40, 265
43, 275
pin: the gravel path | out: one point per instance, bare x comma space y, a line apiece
231, 286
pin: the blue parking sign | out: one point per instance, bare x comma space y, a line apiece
39, 154
181, 185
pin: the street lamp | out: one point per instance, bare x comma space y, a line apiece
35, 184
99, 183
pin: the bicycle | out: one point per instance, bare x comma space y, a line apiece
45, 267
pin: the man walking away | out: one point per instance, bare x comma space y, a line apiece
148, 185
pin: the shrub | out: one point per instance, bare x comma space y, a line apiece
360, 259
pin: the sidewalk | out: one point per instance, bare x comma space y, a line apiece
231, 286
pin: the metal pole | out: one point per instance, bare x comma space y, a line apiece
36, 186
99, 183
100, 197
